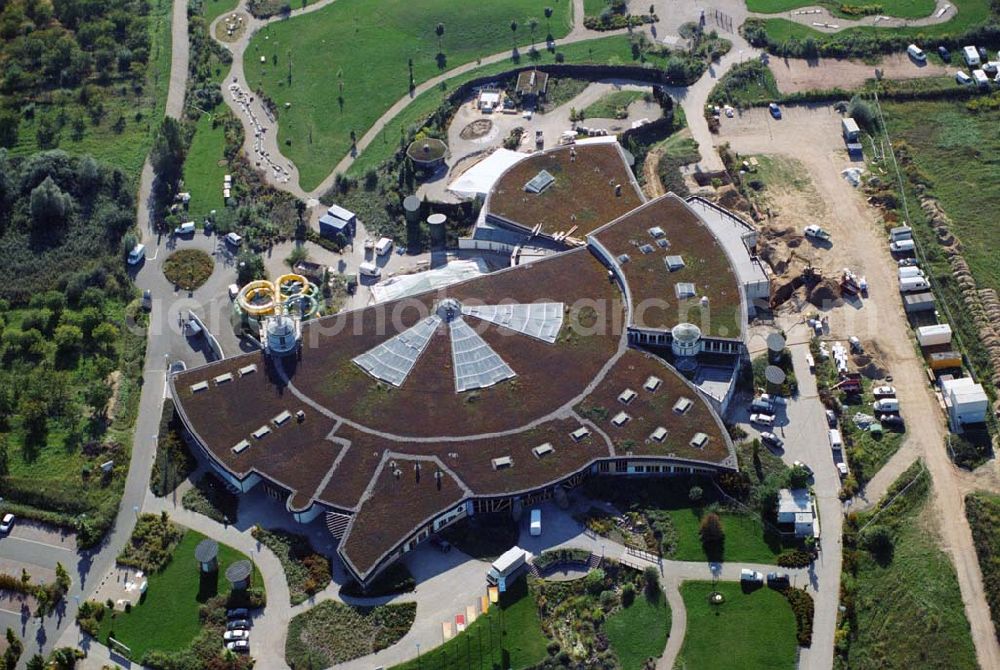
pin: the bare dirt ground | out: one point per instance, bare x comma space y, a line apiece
811, 134
794, 74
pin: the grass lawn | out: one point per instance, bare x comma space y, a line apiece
344, 65
211, 9
167, 619
613, 50
970, 13
611, 104
907, 609
640, 631
594, 7
745, 84
745, 539
907, 9
479, 646
205, 167
679, 149
188, 268
748, 631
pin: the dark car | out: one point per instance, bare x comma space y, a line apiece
775, 110
945, 54
238, 613
238, 624
777, 579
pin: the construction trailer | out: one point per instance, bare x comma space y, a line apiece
929, 336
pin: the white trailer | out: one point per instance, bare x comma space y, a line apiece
508, 565
929, 336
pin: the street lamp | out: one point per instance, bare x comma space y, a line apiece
418, 654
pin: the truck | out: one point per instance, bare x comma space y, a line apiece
508, 566
370, 270
929, 336
816, 232
383, 246
836, 441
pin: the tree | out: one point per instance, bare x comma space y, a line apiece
50, 206
104, 335
651, 578
68, 339
863, 112
63, 580
9, 122
548, 21
879, 541
710, 530
168, 153
513, 33
299, 254
97, 395
439, 31
532, 26
249, 266
798, 477
36, 662
695, 494
4, 457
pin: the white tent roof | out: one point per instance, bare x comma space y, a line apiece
479, 179
453, 272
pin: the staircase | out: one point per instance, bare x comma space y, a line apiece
594, 561
336, 523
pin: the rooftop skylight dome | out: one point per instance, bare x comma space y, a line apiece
686, 339
476, 364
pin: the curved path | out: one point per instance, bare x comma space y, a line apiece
944, 11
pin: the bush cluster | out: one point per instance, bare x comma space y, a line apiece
307, 572
151, 546
803, 607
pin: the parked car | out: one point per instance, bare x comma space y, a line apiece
234, 290
751, 576
804, 466
234, 240
762, 419
238, 634
137, 255
842, 469
6, 523
147, 300
536, 522
178, 367
777, 579
237, 613
186, 228
239, 646
891, 420
775, 110
884, 391
370, 270
831, 418
907, 262
916, 53
816, 232
944, 53
762, 403
238, 624
772, 440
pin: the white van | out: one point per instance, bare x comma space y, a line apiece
963, 78
913, 284
902, 246
971, 56
234, 239
916, 53
370, 270
383, 246
886, 405
536, 522
137, 255
836, 442
186, 228
910, 271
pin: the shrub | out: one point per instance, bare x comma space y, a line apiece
595, 581
651, 579
803, 607
628, 595
878, 540
862, 112
795, 559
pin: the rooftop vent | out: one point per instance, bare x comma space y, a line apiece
241, 446
502, 463
682, 405
543, 450
659, 434
282, 418
656, 232
627, 396
699, 440
200, 386
580, 433
248, 369
620, 419
663, 243
261, 432
652, 383
646, 248
684, 290
674, 263
222, 379
300, 416
623, 259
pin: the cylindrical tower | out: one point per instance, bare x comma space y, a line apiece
436, 223
207, 555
